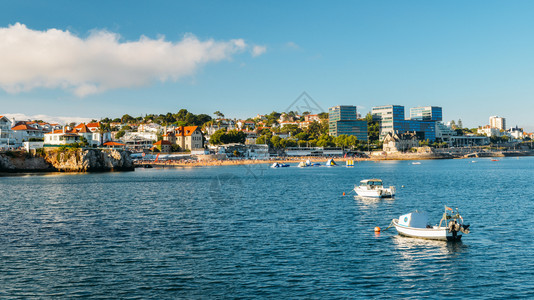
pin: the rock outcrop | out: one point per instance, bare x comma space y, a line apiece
67, 160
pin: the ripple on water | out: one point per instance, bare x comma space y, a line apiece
237, 232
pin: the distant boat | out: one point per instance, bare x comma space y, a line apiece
415, 224
374, 188
494, 160
350, 163
416, 163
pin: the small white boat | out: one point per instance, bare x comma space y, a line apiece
415, 224
374, 188
416, 163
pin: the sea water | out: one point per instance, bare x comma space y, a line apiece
256, 232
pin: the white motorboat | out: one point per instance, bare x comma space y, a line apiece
415, 224
374, 188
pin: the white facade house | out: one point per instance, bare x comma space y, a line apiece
152, 127
61, 137
6, 134
489, 131
516, 133
23, 133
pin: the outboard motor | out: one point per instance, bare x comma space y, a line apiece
464, 229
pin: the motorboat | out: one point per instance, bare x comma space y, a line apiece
416, 163
415, 224
330, 163
374, 188
279, 165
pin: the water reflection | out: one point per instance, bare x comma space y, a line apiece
370, 202
423, 247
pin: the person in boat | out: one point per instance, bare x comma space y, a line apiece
454, 228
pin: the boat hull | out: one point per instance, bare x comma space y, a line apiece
441, 233
383, 193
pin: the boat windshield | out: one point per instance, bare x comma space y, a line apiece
371, 183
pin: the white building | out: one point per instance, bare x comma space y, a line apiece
23, 133
489, 131
152, 127
6, 134
516, 133
61, 137
497, 122
444, 133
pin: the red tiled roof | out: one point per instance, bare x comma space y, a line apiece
83, 129
61, 131
94, 124
111, 143
162, 142
187, 130
24, 127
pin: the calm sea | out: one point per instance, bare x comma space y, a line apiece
256, 232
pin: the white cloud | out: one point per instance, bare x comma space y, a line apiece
292, 45
59, 59
258, 50
49, 119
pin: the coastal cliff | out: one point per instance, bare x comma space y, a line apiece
66, 160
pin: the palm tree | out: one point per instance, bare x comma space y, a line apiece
102, 128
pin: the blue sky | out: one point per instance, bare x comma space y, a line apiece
475, 58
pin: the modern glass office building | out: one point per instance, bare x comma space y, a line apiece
426, 113
392, 119
342, 119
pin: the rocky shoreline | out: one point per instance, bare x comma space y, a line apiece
66, 160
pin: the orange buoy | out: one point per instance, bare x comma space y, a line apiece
343, 193
377, 229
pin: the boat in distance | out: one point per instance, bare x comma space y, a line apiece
374, 188
279, 165
415, 224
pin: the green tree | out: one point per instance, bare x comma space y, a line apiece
127, 119
373, 128
323, 115
216, 137
275, 141
120, 134
83, 142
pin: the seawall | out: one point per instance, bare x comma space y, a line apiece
66, 160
